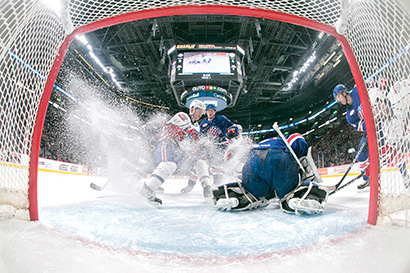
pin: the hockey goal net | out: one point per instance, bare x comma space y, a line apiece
375, 35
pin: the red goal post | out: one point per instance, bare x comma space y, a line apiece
34, 40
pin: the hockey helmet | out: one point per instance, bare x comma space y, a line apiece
338, 90
210, 106
196, 104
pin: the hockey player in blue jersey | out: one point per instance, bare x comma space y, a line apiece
355, 117
215, 126
271, 171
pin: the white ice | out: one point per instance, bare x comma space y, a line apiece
82, 230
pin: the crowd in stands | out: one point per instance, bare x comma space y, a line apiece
332, 149
61, 144
51, 145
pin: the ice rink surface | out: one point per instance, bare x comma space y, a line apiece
83, 230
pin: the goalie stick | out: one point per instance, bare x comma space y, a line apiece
276, 127
332, 189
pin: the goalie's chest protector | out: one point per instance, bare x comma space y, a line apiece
270, 170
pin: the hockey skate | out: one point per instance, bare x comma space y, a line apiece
147, 193
205, 183
365, 186
187, 189
235, 197
207, 191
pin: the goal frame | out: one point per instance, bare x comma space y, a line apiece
208, 10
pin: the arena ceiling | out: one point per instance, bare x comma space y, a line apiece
136, 53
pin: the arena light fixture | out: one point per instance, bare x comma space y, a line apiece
336, 63
95, 58
297, 73
172, 49
82, 39
330, 57
240, 50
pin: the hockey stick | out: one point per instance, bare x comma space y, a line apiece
335, 187
276, 127
123, 164
351, 164
348, 183
100, 188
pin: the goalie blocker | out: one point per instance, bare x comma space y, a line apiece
271, 171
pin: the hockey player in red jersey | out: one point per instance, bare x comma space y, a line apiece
176, 143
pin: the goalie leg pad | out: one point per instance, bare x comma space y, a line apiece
235, 197
308, 198
311, 173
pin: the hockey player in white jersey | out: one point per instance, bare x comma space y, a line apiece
391, 128
176, 143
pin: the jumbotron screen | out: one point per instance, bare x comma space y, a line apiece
204, 62
207, 62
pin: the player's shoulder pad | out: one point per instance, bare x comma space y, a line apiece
221, 117
180, 119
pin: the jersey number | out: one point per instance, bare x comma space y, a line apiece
183, 117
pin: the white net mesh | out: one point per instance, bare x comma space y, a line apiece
379, 34
30, 35
29, 39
